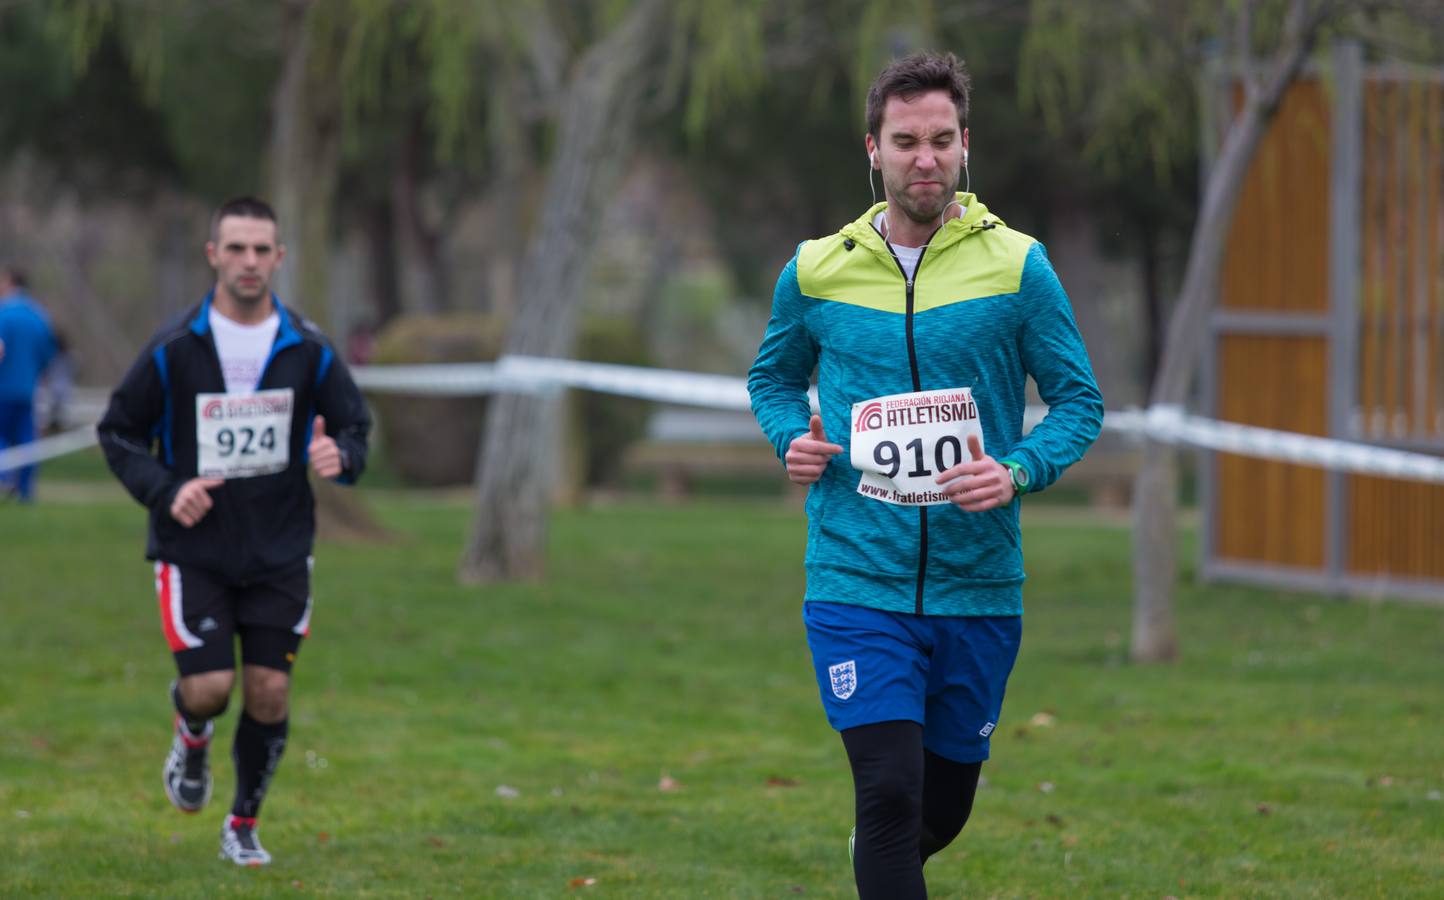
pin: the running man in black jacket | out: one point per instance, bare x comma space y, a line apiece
212, 430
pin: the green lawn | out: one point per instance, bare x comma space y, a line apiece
512, 741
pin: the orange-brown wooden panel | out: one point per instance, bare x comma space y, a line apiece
1433, 160
1416, 265
1277, 253
1401, 338
1373, 293
1395, 528
1390, 231
1271, 512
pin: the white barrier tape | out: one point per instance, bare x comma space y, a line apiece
445, 380
684, 388
530, 374
47, 448
1171, 425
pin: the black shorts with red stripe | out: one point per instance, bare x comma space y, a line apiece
202, 613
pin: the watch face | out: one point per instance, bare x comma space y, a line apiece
1020, 477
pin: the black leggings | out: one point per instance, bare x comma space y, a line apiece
911, 803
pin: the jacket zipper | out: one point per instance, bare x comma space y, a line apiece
917, 386
228, 526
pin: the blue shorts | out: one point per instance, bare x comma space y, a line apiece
947, 673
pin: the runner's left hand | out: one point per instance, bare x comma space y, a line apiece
325, 456
979, 483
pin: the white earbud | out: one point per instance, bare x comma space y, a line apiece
872, 158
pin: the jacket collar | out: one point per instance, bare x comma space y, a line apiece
286, 334
976, 218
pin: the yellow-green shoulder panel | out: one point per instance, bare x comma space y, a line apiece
966, 261
827, 270
985, 263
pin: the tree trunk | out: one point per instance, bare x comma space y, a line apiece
1155, 494
176, 251
1155, 548
87, 307
381, 261
517, 463
425, 277
1152, 305
303, 162
305, 150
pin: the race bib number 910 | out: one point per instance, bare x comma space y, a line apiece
243, 435
902, 442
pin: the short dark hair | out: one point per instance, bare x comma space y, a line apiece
915, 75
15, 275
245, 207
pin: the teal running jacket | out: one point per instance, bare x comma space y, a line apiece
984, 311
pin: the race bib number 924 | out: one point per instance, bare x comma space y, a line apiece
902, 442
243, 435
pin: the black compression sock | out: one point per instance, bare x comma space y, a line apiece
256, 751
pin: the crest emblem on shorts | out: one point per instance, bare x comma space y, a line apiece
844, 679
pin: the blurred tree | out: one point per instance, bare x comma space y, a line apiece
1140, 95
78, 115
303, 149
62, 113
413, 152
202, 95
593, 84
596, 77
1130, 123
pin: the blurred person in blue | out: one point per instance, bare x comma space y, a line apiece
59, 385
213, 430
924, 318
27, 345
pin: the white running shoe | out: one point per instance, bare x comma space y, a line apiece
187, 771
239, 843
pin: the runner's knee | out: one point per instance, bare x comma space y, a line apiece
205, 695
266, 691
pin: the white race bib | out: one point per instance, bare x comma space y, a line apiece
902, 442
243, 435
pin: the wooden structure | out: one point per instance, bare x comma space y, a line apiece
1330, 321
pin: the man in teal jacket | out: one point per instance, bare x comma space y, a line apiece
923, 318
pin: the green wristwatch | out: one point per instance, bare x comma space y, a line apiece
1018, 474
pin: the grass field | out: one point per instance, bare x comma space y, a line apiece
515, 741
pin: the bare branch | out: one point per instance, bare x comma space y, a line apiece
1243, 47
547, 55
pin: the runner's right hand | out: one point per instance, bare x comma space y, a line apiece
809, 453
193, 500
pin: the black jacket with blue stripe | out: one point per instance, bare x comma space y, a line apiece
258, 525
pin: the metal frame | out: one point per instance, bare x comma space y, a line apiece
1296, 578
1213, 120
1239, 321
1346, 161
